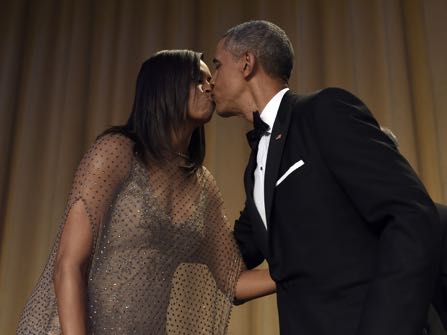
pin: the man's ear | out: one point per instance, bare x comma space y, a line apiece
249, 65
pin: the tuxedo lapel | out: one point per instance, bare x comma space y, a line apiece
249, 176
276, 146
257, 224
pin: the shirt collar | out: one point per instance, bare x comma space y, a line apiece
268, 114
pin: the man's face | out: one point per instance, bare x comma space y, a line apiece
228, 82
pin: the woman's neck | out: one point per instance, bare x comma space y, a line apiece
181, 140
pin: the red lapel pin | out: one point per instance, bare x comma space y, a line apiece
278, 137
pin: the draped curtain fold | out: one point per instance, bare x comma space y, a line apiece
68, 70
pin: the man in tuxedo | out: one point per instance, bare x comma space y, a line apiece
437, 316
347, 228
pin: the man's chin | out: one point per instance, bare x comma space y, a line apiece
224, 113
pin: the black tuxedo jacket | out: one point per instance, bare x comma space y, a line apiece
352, 234
440, 297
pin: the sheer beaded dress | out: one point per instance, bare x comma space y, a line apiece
164, 260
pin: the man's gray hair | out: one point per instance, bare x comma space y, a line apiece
268, 42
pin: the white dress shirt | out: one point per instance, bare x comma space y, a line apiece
268, 115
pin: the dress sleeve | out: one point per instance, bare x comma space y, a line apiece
223, 257
100, 174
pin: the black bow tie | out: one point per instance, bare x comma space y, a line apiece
260, 128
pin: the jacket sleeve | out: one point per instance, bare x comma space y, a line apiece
243, 234
440, 296
387, 193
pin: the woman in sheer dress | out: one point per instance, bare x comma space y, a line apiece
144, 246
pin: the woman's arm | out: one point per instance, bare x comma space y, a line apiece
253, 284
70, 271
99, 175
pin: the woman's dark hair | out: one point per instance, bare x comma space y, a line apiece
161, 105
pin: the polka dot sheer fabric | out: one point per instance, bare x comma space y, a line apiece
163, 261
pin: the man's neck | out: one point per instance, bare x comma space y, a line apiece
262, 92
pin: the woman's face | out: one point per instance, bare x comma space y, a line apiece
200, 103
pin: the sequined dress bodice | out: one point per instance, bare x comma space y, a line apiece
164, 260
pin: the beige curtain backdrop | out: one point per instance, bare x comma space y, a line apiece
68, 68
